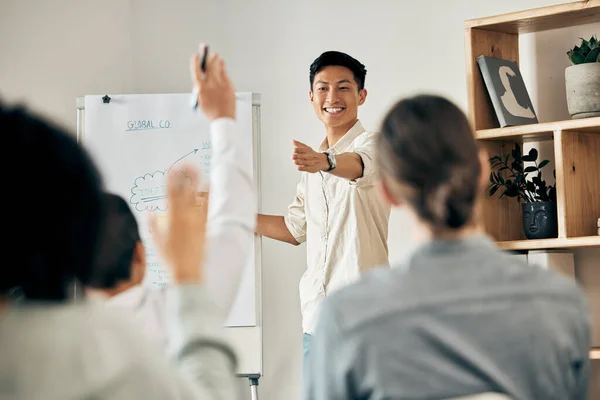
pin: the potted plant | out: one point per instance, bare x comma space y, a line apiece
527, 185
582, 79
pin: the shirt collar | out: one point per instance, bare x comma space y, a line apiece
345, 140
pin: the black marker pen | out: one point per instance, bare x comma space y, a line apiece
203, 69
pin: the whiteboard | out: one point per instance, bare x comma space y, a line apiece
135, 140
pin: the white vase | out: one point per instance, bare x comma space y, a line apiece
582, 83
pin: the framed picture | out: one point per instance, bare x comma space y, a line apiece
507, 91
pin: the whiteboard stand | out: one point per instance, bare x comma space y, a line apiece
250, 369
253, 380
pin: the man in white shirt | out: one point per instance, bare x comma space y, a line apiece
336, 210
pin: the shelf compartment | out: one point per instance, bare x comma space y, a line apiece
502, 218
577, 158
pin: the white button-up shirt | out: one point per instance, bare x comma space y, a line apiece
345, 225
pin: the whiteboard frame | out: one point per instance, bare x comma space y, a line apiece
246, 340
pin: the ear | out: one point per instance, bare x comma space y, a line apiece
385, 192
138, 263
362, 96
311, 96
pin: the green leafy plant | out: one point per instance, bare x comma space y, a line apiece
519, 181
587, 52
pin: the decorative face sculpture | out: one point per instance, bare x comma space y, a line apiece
533, 220
539, 220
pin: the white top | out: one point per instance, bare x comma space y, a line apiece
230, 232
86, 350
344, 223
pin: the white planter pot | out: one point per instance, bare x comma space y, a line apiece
583, 90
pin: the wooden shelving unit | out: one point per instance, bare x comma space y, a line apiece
576, 142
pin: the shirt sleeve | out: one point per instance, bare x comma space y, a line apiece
328, 375
231, 213
295, 220
196, 314
205, 362
366, 150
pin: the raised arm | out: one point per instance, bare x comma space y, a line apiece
205, 363
231, 212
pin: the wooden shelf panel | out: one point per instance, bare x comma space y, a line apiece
540, 19
558, 243
595, 353
539, 131
577, 161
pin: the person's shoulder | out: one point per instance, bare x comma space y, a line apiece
353, 303
558, 283
366, 136
139, 294
129, 298
519, 269
107, 323
117, 331
365, 141
562, 296
553, 285
78, 316
89, 331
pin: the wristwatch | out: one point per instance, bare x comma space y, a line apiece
331, 159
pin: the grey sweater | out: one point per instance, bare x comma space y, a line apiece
87, 350
458, 318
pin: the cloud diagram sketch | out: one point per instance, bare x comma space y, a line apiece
149, 191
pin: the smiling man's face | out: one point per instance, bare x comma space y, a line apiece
335, 96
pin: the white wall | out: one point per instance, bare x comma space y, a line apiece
53, 51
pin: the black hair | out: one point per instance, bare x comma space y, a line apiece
117, 244
428, 147
330, 58
54, 208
